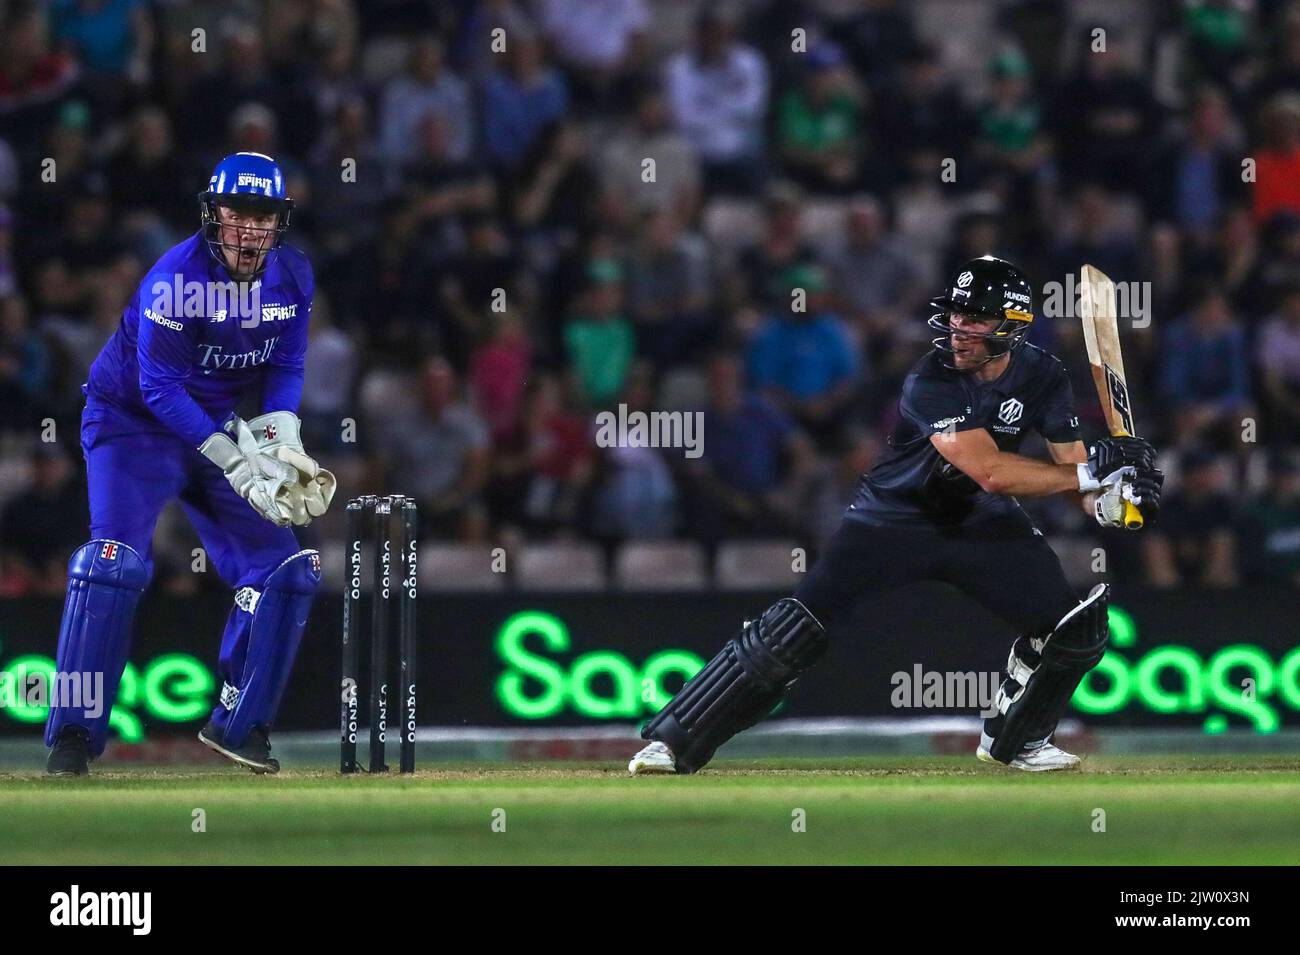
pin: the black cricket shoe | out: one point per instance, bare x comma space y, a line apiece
255, 754
70, 754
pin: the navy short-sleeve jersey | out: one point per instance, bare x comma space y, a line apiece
914, 484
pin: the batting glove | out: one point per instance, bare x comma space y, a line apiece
1106, 455
1144, 493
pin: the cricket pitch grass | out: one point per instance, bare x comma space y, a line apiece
877, 811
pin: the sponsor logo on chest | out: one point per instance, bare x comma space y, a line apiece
279, 313
214, 357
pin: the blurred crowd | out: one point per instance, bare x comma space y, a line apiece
496, 261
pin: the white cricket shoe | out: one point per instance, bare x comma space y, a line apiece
1041, 758
655, 758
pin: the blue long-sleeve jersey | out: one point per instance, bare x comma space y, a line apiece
189, 346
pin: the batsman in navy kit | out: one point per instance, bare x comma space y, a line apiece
218, 322
941, 506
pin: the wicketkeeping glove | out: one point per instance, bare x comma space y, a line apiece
257, 477
303, 502
278, 434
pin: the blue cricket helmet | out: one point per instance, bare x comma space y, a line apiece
249, 182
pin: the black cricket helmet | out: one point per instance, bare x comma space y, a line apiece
987, 287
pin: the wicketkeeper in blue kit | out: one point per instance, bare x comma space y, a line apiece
219, 321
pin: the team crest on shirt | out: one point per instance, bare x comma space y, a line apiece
1010, 411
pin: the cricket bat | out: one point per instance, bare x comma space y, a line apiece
1101, 337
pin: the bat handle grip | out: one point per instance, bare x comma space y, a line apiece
1132, 516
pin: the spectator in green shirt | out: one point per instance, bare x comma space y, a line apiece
599, 340
819, 124
1011, 143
